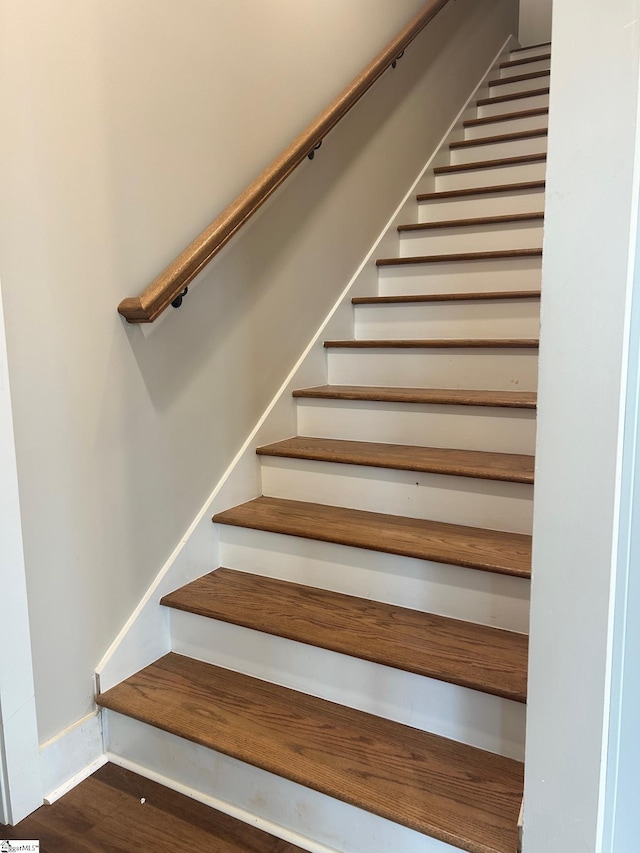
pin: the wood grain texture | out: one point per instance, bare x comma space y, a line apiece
511, 63
423, 396
453, 792
473, 191
146, 307
516, 96
519, 78
452, 544
480, 296
505, 467
514, 116
503, 137
502, 254
475, 222
522, 160
438, 343
116, 811
474, 656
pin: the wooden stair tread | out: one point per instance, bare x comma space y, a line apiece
510, 63
453, 792
523, 159
437, 343
519, 78
476, 221
515, 96
453, 544
501, 254
463, 653
502, 137
471, 191
424, 396
514, 116
507, 467
478, 295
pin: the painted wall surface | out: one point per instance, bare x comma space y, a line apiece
535, 21
588, 272
127, 127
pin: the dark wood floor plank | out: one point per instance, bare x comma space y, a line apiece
473, 547
424, 396
508, 467
384, 767
475, 656
106, 814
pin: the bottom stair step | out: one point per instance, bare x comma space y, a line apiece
449, 791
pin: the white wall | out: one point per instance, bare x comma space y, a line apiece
593, 183
126, 128
535, 22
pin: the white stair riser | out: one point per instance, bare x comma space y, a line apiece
478, 719
518, 86
496, 150
525, 53
526, 68
472, 595
479, 238
454, 500
460, 277
531, 102
480, 131
491, 176
499, 369
495, 204
488, 318
301, 815
498, 430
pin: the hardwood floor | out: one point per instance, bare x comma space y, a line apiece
115, 811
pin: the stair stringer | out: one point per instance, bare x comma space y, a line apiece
145, 636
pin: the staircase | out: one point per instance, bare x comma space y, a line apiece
357, 672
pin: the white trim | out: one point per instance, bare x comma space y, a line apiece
146, 636
71, 756
20, 784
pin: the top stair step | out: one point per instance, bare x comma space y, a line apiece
474, 656
453, 544
450, 791
520, 50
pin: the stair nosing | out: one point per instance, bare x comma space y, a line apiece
497, 189
528, 60
478, 295
426, 551
434, 343
533, 216
519, 78
188, 698
219, 596
502, 254
517, 136
515, 116
498, 163
512, 96
439, 397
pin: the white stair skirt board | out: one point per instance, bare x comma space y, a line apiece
458, 713
71, 756
490, 318
500, 430
500, 601
531, 102
472, 238
460, 277
487, 204
496, 150
438, 497
285, 809
491, 176
527, 68
499, 369
512, 125
518, 86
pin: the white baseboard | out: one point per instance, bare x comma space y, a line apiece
146, 636
71, 756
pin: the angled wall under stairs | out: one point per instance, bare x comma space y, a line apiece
354, 674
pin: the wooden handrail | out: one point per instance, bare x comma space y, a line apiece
174, 279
